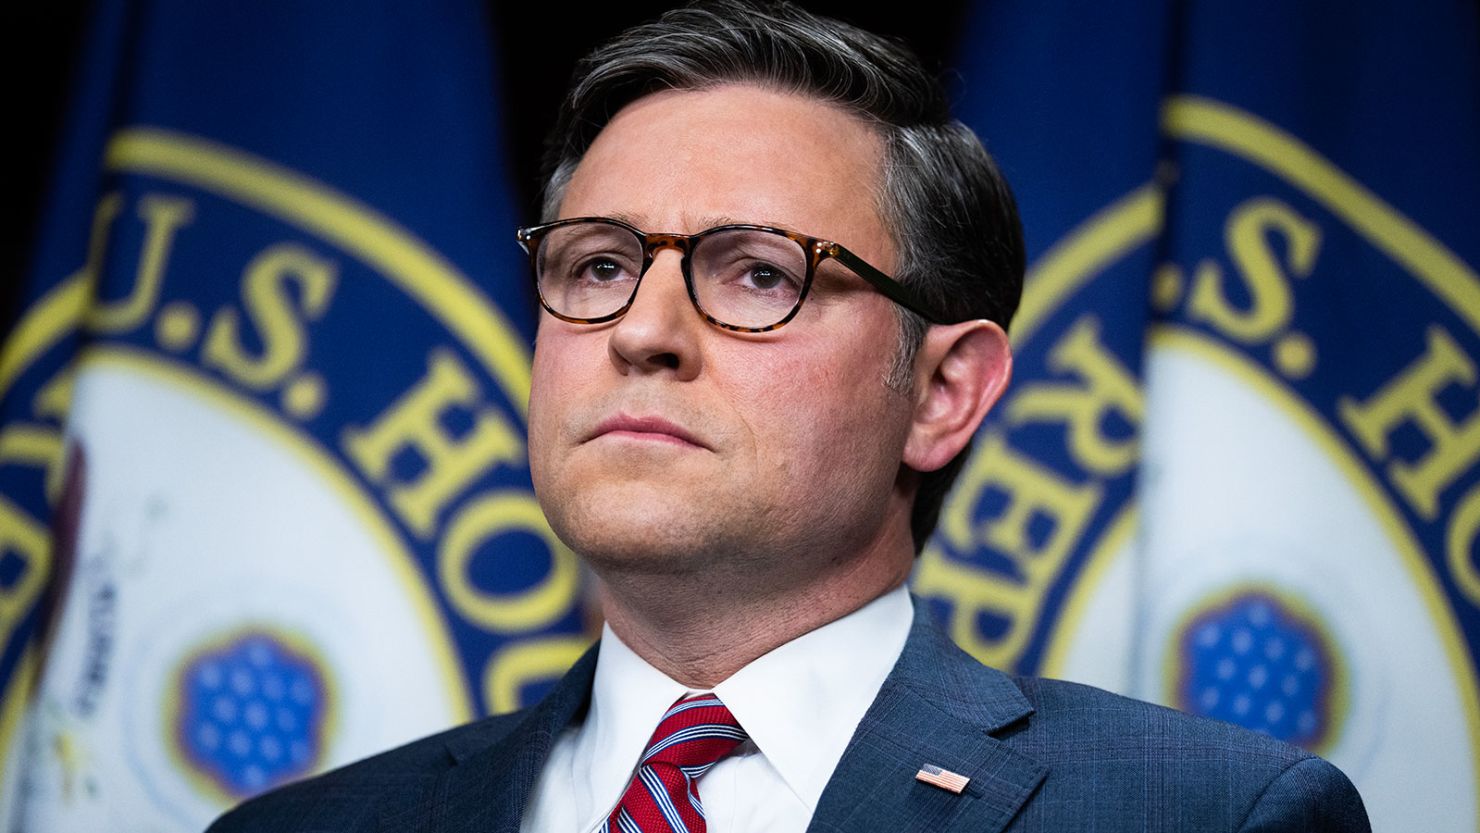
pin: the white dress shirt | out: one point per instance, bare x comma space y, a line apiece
799, 703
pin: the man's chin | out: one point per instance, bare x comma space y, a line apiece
646, 533
616, 554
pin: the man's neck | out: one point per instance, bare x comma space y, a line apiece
720, 629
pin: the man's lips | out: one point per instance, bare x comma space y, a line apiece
645, 428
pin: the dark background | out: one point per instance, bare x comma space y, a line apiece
536, 53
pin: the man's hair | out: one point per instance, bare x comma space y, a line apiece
949, 212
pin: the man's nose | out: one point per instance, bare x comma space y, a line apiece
659, 332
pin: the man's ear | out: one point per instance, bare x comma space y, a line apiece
960, 371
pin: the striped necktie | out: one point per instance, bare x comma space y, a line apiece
664, 794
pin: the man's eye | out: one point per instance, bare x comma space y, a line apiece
766, 277
601, 270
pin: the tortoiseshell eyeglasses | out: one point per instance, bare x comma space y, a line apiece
741, 277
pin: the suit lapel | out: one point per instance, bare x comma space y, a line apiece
486, 788
938, 706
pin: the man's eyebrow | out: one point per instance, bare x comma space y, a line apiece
630, 219
712, 220
707, 221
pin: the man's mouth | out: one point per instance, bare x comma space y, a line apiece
645, 429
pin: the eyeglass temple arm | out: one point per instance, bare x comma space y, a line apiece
891, 288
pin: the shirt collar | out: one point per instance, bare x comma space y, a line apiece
628, 698
800, 703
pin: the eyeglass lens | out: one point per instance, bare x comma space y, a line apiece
741, 277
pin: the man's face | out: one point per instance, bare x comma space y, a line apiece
662, 444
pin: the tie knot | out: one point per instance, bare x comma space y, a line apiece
694, 733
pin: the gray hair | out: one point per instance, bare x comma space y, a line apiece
949, 212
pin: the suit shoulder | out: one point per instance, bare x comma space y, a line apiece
1311, 794
347, 798
1080, 712
1210, 774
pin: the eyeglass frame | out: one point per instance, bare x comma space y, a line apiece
815, 249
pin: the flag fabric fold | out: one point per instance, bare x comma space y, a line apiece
1239, 468
264, 494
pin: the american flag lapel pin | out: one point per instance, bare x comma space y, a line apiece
945, 779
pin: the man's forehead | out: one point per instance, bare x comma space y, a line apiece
683, 161
839, 129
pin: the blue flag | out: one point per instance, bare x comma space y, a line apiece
264, 494
1239, 468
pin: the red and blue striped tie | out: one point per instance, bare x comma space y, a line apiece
664, 794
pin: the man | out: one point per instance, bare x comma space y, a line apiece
746, 427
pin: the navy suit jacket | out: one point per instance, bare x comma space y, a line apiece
1042, 755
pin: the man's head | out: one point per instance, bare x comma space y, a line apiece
726, 113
